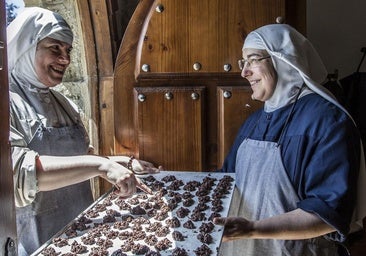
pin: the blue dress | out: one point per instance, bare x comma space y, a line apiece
321, 156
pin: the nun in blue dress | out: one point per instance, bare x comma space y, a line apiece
297, 160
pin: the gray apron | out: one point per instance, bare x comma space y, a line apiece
263, 190
52, 210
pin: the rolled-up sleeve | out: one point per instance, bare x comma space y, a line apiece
330, 183
24, 168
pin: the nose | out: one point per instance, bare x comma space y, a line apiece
245, 71
64, 57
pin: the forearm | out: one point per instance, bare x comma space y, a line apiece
56, 172
297, 224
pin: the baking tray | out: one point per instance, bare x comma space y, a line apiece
102, 220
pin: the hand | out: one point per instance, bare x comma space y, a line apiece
143, 186
138, 166
122, 178
124, 192
234, 227
91, 150
143, 167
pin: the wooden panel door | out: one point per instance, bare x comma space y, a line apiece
234, 106
187, 44
170, 126
210, 32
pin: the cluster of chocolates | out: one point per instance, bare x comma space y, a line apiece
150, 224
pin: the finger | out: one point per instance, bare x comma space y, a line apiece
147, 170
132, 186
123, 188
116, 188
143, 186
127, 186
148, 164
154, 170
219, 221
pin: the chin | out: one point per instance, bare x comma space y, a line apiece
53, 83
256, 97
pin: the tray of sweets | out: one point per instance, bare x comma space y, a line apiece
175, 220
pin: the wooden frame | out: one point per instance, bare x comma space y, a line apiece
7, 211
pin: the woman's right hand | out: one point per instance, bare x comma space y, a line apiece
124, 180
234, 227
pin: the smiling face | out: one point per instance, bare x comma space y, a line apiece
51, 60
261, 74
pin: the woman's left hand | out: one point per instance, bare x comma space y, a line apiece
234, 227
143, 167
137, 166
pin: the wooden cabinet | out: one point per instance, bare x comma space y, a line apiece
184, 47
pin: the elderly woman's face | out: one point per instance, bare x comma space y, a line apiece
51, 60
260, 73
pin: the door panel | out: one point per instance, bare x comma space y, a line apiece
234, 106
208, 32
170, 126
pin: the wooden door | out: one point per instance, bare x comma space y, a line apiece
180, 128
234, 105
187, 46
7, 209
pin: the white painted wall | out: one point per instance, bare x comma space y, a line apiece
337, 29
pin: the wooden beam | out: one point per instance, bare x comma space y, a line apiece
97, 42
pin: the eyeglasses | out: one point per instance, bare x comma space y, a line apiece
251, 62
